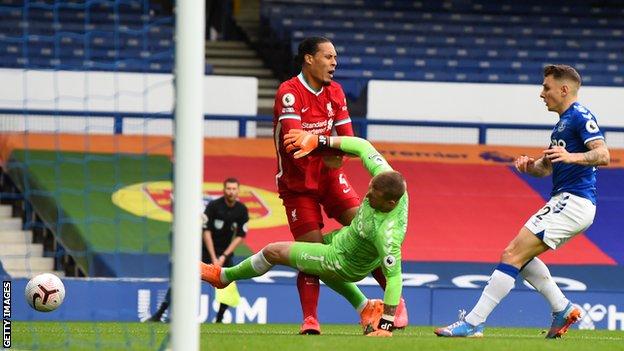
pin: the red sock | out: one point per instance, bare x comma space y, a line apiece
308, 286
380, 277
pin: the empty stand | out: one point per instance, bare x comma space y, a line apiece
463, 41
99, 35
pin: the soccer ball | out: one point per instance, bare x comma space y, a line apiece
45, 292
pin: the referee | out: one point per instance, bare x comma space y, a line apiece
225, 230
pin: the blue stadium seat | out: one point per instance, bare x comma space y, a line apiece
120, 35
456, 40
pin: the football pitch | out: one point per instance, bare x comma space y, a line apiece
282, 337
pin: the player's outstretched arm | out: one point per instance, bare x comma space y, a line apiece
303, 143
362, 148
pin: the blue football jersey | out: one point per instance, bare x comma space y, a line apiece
577, 126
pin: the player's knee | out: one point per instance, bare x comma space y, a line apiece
510, 257
273, 253
269, 252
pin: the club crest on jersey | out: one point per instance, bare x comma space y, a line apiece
288, 100
591, 126
293, 215
561, 126
330, 111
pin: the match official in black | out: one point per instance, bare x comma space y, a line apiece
224, 230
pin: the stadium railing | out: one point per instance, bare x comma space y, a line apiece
360, 124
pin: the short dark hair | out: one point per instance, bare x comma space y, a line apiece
230, 180
562, 72
391, 184
308, 46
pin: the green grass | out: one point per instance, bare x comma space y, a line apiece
282, 337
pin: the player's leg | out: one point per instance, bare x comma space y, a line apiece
564, 313
522, 248
314, 259
308, 286
157, 316
348, 290
538, 275
370, 311
253, 266
305, 221
223, 307
564, 216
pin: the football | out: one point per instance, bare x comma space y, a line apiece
45, 292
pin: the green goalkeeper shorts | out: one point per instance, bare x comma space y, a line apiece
315, 259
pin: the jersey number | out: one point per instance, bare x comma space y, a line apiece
546, 210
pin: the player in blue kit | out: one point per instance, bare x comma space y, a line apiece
577, 147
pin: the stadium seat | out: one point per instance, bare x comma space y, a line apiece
78, 35
457, 41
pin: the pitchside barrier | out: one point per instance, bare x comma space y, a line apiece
244, 126
268, 300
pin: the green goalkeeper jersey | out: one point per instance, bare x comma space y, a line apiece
373, 238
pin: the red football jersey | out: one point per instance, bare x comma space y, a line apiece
297, 105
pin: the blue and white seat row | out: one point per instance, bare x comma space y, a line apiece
456, 16
77, 64
397, 50
534, 7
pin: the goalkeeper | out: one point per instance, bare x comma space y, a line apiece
373, 238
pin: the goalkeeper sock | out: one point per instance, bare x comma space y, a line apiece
500, 284
537, 274
349, 291
253, 266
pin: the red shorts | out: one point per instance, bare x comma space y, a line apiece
303, 210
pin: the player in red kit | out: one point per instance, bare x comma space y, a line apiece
312, 101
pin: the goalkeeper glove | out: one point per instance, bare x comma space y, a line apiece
380, 333
304, 142
384, 327
386, 323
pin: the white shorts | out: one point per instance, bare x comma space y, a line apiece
564, 216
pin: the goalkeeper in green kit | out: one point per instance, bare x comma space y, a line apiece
347, 255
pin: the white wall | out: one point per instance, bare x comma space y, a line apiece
472, 102
116, 91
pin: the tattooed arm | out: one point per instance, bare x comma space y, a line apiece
598, 154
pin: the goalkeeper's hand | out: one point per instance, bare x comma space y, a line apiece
304, 142
384, 327
380, 333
